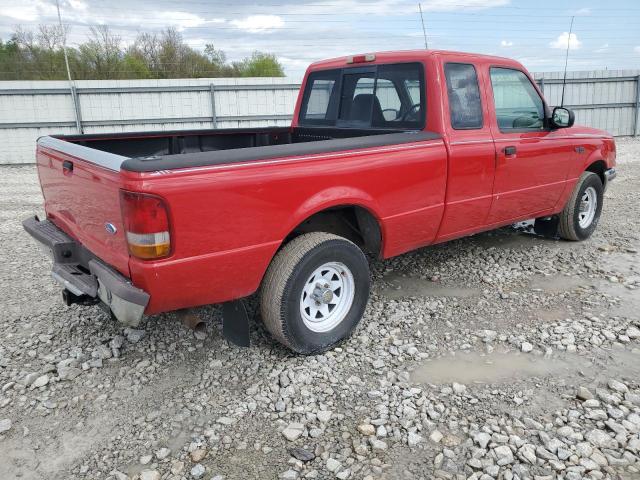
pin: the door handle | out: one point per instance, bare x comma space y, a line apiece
67, 165
510, 150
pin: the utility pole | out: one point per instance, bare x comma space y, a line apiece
424, 30
72, 87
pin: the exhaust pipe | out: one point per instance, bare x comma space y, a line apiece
192, 321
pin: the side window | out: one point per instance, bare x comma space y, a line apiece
465, 107
518, 105
404, 83
357, 97
413, 89
316, 107
389, 99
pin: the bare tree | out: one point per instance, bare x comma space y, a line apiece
102, 53
25, 39
51, 37
39, 55
147, 48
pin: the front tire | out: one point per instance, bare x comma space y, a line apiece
581, 214
315, 292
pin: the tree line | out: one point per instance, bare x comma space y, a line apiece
39, 55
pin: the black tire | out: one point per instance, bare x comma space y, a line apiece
283, 284
569, 227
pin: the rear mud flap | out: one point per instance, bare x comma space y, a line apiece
235, 323
547, 226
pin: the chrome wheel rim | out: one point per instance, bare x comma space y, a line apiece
327, 297
588, 207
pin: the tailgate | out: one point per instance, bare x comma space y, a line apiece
81, 189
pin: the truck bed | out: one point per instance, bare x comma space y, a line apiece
151, 151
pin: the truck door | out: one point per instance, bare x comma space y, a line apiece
531, 159
471, 153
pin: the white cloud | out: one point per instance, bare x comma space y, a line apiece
183, 20
435, 5
77, 4
29, 11
390, 7
584, 11
563, 39
259, 23
636, 49
506, 43
602, 48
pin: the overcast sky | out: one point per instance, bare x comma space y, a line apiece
606, 34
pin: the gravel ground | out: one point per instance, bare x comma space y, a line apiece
501, 355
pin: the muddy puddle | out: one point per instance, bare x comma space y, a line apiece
506, 367
398, 286
491, 368
559, 283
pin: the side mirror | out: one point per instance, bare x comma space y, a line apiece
562, 117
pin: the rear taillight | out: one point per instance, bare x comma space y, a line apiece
146, 225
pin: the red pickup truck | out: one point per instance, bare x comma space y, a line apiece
386, 153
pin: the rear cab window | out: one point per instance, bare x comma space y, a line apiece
390, 97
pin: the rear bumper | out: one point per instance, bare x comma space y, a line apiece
609, 174
85, 276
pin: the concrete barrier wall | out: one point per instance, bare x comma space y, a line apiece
605, 99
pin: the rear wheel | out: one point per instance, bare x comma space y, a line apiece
314, 292
580, 216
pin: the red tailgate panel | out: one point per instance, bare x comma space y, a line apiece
81, 202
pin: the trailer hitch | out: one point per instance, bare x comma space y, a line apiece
69, 298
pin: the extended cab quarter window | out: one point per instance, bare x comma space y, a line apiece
319, 96
368, 96
464, 96
518, 105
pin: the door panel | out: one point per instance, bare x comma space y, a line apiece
471, 153
532, 179
469, 189
531, 160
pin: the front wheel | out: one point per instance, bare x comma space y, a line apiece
314, 292
580, 216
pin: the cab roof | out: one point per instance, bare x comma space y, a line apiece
408, 55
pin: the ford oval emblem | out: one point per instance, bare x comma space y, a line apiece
110, 228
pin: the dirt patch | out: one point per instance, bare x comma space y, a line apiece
398, 286
499, 367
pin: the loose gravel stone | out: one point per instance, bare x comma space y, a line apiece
333, 465
504, 455
584, 394
436, 436
526, 347
366, 429
150, 475
301, 454
198, 470
41, 381
293, 431
5, 425
133, 335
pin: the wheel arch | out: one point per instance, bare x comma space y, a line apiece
598, 167
352, 220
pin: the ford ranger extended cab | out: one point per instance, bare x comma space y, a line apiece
386, 153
